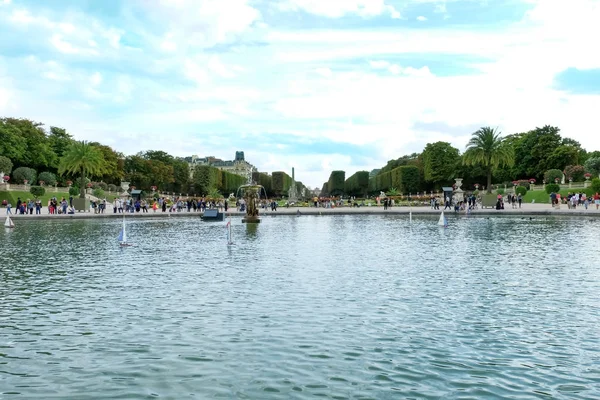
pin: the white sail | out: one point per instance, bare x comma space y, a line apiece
410, 216
124, 235
442, 221
229, 233
8, 223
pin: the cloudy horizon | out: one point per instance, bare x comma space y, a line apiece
318, 85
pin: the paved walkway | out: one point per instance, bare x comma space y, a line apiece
527, 209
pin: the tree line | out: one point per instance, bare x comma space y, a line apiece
541, 154
29, 152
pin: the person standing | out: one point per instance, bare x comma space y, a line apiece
8, 208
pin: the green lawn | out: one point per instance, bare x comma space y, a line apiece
540, 196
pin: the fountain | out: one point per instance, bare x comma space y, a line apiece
251, 193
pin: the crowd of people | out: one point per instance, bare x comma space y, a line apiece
574, 200
28, 206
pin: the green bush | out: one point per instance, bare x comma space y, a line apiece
48, 178
37, 191
112, 188
99, 185
596, 185
575, 172
74, 191
500, 191
552, 188
522, 190
99, 193
551, 175
23, 173
5, 165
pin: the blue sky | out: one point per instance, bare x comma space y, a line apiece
313, 84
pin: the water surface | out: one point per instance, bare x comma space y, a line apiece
339, 307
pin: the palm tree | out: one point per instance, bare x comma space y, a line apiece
489, 150
83, 159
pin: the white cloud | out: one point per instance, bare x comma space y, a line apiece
96, 79
200, 23
421, 18
194, 72
324, 72
216, 66
339, 8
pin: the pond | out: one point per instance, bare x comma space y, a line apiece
340, 307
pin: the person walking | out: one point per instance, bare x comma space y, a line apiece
8, 208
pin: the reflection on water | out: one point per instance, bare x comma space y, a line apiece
345, 307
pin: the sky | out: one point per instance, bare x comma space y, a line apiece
318, 85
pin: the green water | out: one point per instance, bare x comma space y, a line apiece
339, 307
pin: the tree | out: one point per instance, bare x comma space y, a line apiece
487, 148
592, 165
59, 141
440, 161
22, 174
12, 144
5, 165
204, 179
82, 159
38, 152
181, 176
113, 169
48, 178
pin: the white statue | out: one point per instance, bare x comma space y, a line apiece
382, 194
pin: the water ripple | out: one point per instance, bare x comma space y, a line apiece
339, 307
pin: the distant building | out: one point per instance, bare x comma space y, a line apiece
238, 166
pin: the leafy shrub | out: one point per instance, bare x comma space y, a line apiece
596, 185
522, 190
592, 165
74, 191
99, 193
552, 188
48, 178
112, 188
5, 165
23, 173
99, 185
37, 191
551, 175
500, 191
574, 172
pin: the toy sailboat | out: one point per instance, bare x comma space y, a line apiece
8, 223
229, 233
123, 236
443, 221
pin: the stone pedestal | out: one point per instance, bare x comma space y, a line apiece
80, 204
458, 195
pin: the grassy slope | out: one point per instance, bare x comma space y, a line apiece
541, 196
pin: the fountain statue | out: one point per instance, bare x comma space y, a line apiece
251, 193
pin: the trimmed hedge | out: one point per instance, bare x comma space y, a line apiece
406, 179
357, 184
280, 183
336, 183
